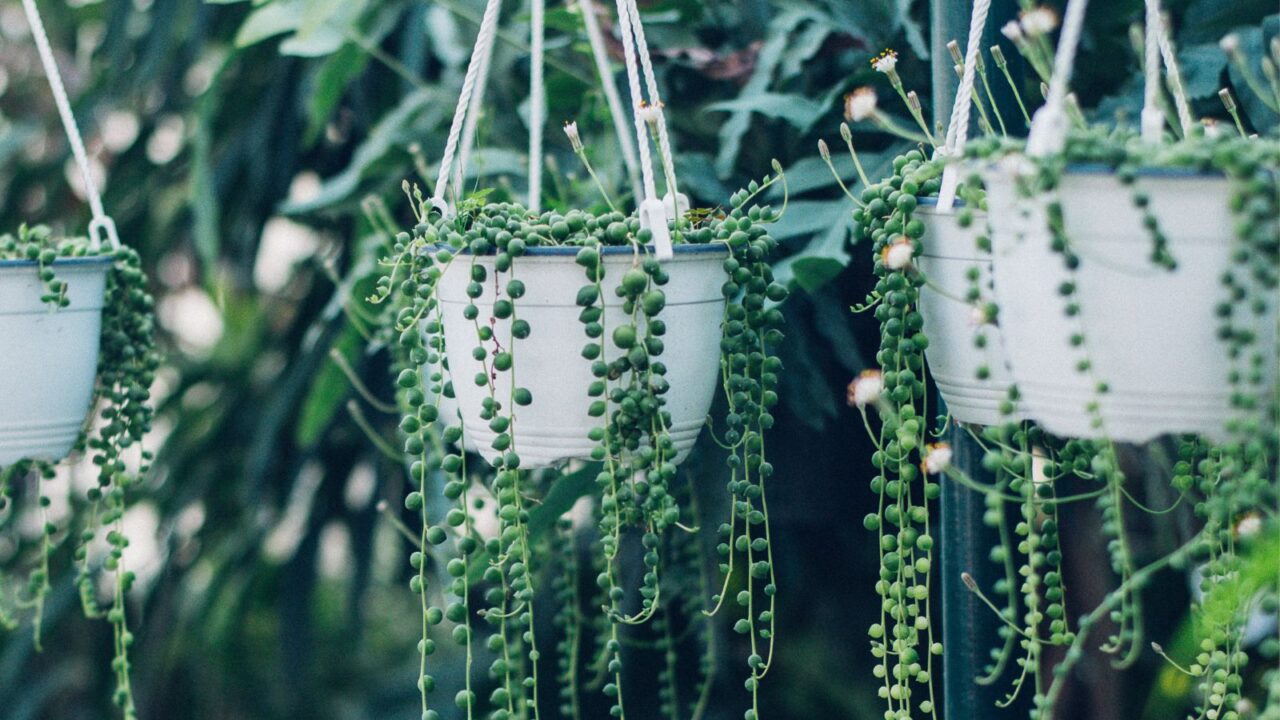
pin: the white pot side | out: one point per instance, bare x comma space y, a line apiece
445, 405
1151, 334
48, 357
549, 362
950, 252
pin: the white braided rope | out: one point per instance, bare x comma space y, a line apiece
1174, 72
626, 143
537, 101
1049, 128
655, 98
488, 30
633, 82
1152, 117
101, 224
958, 132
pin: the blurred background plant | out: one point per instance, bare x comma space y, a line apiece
242, 144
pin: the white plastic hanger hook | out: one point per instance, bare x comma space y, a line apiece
653, 217
1049, 127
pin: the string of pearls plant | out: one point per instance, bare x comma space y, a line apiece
111, 438
1230, 482
506, 544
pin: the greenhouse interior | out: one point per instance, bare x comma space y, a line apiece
647, 359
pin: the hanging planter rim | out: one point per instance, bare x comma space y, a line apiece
1101, 168
572, 250
1161, 171
932, 201
62, 261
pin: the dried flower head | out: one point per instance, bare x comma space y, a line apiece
1230, 43
860, 104
651, 113
886, 61
1012, 30
897, 254
1038, 21
913, 101
575, 140
1249, 525
998, 56
865, 389
979, 315
937, 458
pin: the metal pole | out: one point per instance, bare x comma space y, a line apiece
969, 628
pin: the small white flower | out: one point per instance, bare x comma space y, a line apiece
1212, 129
1249, 525
937, 458
865, 389
1012, 30
575, 140
1230, 43
650, 113
978, 316
860, 104
885, 62
1039, 21
897, 254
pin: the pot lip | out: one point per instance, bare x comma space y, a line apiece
932, 202
87, 261
714, 248
1144, 171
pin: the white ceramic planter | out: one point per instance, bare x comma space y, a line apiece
550, 364
949, 254
48, 358
1151, 334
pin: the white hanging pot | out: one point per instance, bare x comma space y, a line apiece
48, 358
950, 324
549, 362
1150, 333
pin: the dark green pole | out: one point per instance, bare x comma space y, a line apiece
969, 628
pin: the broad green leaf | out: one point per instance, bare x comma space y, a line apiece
267, 21
770, 55
1202, 67
797, 110
1206, 21
564, 492
391, 133
870, 22
328, 86
1253, 44
813, 272
323, 40
830, 222
697, 177
831, 318
806, 44
329, 390
807, 217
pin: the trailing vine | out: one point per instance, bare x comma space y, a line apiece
637, 493
111, 438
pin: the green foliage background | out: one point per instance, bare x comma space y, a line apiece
278, 589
